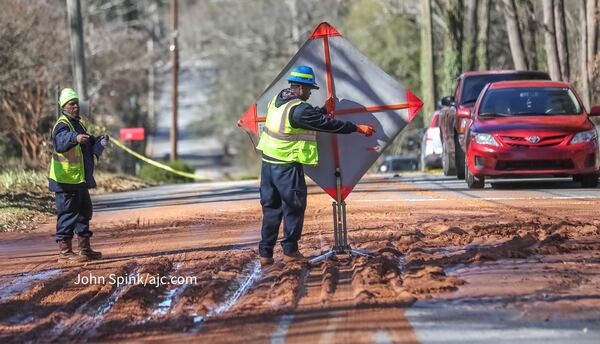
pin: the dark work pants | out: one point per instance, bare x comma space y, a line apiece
74, 212
282, 196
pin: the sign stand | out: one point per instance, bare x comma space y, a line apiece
340, 230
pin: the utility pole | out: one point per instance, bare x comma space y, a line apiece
151, 68
175, 70
77, 47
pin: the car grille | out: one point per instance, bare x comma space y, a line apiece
517, 141
518, 165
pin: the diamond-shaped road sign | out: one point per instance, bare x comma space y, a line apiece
358, 91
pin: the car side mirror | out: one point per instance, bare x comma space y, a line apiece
463, 113
448, 101
595, 111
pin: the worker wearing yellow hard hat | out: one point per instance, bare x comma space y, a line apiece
71, 176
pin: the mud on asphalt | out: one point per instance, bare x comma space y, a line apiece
538, 264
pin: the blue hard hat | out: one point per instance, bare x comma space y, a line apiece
303, 75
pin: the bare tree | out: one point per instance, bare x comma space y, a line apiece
583, 58
453, 44
550, 40
528, 25
243, 54
561, 39
514, 35
592, 31
427, 72
470, 35
26, 113
483, 62
29, 64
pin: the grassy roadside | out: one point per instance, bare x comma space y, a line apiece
26, 202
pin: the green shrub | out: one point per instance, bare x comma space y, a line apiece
19, 180
155, 174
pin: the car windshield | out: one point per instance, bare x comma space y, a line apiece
475, 83
535, 101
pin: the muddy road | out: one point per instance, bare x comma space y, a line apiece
517, 263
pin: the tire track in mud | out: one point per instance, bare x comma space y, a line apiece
252, 272
165, 309
23, 308
24, 282
43, 309
81, 312
402, 272
342, 295
98, 301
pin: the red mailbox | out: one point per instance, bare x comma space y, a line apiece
132, 134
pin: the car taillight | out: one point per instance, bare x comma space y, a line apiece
463, 115
463, 125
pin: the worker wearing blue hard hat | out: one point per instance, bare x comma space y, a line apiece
303, 75
288, 141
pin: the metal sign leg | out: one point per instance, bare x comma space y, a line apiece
340, 232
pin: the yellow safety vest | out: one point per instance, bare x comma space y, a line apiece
67, 167
281, 141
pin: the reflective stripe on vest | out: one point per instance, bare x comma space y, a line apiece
67, 167
70, 158
291, 137
281, 134
280, 141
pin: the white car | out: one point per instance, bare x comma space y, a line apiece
431, 145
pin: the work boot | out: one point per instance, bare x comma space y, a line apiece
295, 257
265, 261
66, 254
85, 250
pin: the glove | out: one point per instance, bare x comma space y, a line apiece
365, 129
104, 140
329, 105
100, 144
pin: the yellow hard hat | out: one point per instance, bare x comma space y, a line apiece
66, 95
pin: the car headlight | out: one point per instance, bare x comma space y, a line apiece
584, 136
485, 139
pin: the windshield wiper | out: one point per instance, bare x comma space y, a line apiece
494, 114
528, 114
469, 101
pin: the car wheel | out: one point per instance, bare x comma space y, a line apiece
473, 182
589, 180
448, 170
459, 157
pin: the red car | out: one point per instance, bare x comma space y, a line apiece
466, 92
531, 129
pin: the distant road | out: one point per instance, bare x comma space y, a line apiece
424, 187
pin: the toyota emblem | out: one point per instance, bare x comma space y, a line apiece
533, 139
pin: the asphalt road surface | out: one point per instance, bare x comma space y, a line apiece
516, 263
427, 187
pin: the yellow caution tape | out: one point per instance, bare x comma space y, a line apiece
156, 163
